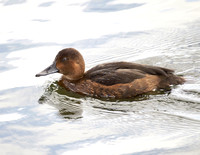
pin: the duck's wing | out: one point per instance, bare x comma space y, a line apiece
123, 72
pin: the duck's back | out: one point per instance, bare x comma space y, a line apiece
125, 72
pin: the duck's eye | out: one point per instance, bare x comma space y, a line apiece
64, 59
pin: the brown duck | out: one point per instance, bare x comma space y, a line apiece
119, 80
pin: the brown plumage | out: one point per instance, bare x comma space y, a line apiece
110, 80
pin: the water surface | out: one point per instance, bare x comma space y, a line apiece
37, 116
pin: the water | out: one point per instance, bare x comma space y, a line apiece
37, 116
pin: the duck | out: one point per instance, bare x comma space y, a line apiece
119, 80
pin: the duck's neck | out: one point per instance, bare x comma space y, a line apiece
72, 78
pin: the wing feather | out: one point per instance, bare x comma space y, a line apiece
123, 72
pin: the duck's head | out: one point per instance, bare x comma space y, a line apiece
68, 62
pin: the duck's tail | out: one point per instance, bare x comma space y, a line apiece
171, 80
175, 80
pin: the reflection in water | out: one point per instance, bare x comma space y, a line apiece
71, 105
40, 20
107, 6
4, 65
95, 42
14, 45
46, 4
67, 103
12, 2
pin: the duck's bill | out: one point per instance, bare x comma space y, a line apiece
49, 70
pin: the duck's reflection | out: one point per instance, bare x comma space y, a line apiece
70, 107
67, 103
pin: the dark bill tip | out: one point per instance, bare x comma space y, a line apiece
37, 75
49, 70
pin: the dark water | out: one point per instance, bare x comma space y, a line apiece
37, 116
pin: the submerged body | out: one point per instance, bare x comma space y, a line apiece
111, 80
